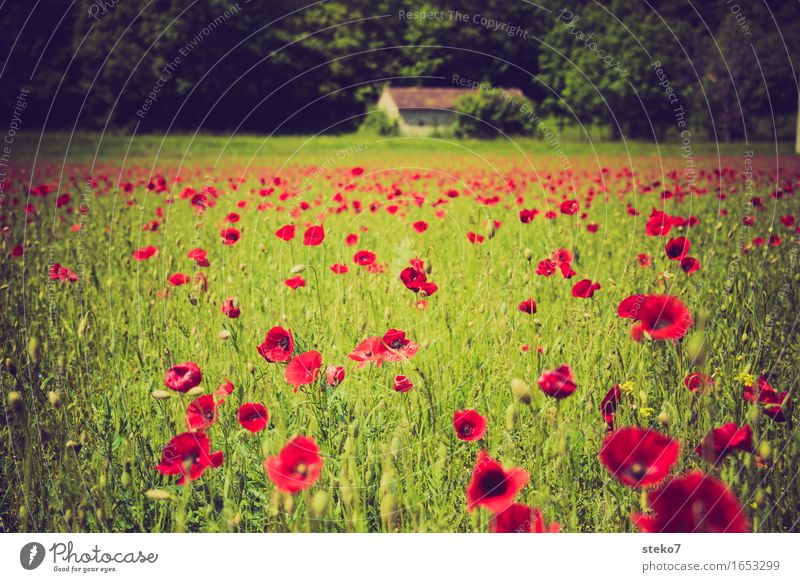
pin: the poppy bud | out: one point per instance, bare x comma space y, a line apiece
758, 497
262, 247
511, 416
16, 403
197, 390
528, 254
101, 481
192, 299
396, 446
75, 446
23, 512
389, 512
83, 325
11, 367
35, 351
521, 391
663, 418
158, 495
251, 368
242, 267
125, 479
288, 503
224, 335
765, 450
160, 394
319, 504
429, 267
54, 398
697, 348
755, 413
491, 230
297, 269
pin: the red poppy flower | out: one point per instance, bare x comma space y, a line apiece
528, 306
608, 406
397, 346
303, 369
199, 256
519, 518
569, 207
357, 171
369, 350
639, 457
225, 389
295, 282
662, 317
297, 466
339, 268
183, 377
60, 273
230, 236
314, 236
178, 279
420, 226
229, 308
364, 258
558, 383
585, 288
693, 503
697, 382
285, 232
721, 441
566, 270
659, 224
413, 278
188, 455
144, 253
562, 256
253, 416
689, 265
201, 412
18, 250
527, 216
678, 248
644, 260
351, 239
546, 268
277, 346
402, 384
776, 405
334, 375
493, 487
474, 238
469, 425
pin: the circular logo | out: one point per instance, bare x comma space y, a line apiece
31, 555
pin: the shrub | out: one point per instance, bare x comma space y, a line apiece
487, 114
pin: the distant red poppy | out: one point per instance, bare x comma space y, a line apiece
659, 224
644, 260
199, 256
233, 218
562, 256
693, 503
662, 317
639, 457
229, 308
776, 405
339, 268
364, 258
285, 233
334, 375
528, 306
519, 518
230, 236
697, 382
608, 406
225, 389
469, 425
314, 236
295, 282
585, 288
303, 369
527, 216
188, 455
546, 268
690, 265
351, 239
277, 346
357, 171
402, 384
558, 383
420, 226
493, 487
60, 273
18, 250
569, 207
397, 347
253, 416
297, 466
183, 377
678, 248
369, 350
144, 253
178, 279
725, 439
201, 412
474, 238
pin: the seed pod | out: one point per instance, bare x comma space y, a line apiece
528, 254
765, 450
158, 495
54, 398
160, 394
224, 335
521, 391
10, 367
35, 351
319, 504
16, 403
512, 416
196, 391
297, 269
251, 368
663, 418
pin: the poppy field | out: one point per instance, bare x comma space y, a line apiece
415, 339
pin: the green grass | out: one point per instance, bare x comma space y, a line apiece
391, 461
